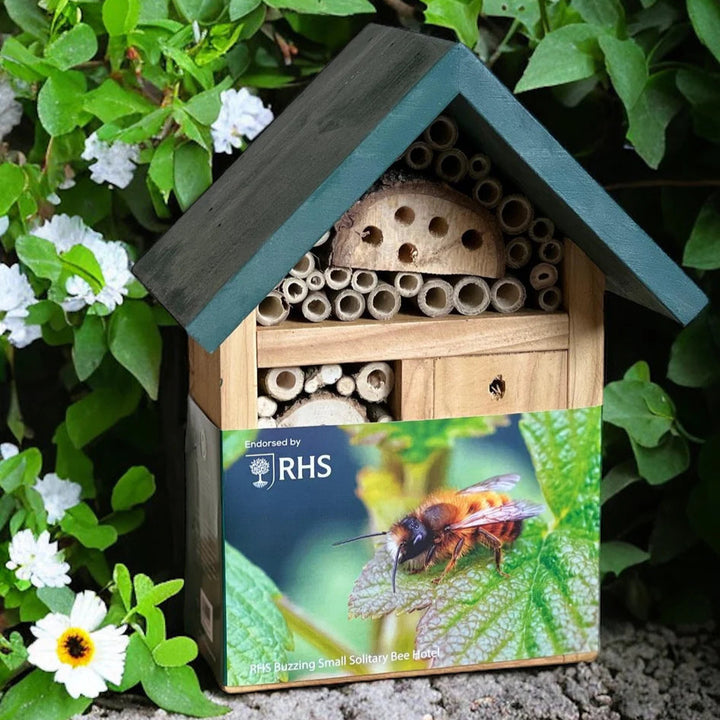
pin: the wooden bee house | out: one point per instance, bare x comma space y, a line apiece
368, 259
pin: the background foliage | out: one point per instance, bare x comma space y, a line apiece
630, 87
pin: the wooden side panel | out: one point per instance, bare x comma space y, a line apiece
414, 389
500, 384
583, 288
224, 383
406, 336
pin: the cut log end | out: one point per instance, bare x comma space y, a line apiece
551, 252
408, 284
348, 305
451, 165
323, 408
549, 299
283, 384
364, 281
294, 290
315, 281
304, 266
337, 278
419, 156
479, 166
488, 192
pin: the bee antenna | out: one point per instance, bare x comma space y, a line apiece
359, 537
395, 567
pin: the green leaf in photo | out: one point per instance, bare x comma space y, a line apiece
58, 107
57, 599
12, 182
695, 355
82, 523
616, 556
134, 341
564, 55
702, 250
77, 45
664, 462
89, 346
38, 697
457, 15
240, 8
175, 652
120, 16
192, 173
110, 101
40, 256
705, 18
135, 487
176, 689
626, 65
603, 13
324, 7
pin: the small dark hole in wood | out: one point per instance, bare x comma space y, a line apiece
365, 280
372, 235
438, 227
543, 276
420, 156
518, 252
497, 387
471, 239
405, 215
550, 251
407, 253
479, 165
316, 307
540, 229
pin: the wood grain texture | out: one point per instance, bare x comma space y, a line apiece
414, 389
532, 381
565, 659
409, 336
583, 287
224, 383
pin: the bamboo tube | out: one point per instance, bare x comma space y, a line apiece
316, 307
435, 298
419, 156
294, 290
283, 383
323, 239
541, 229
383, 302
273, 309
408, 284
549, 298
337, 278
514, 213
315, 281
479, 166
551, 252
543, 275
518, 253
375, 381
471, 295
266, 406
304, 266
345, 386
507, 295
364, 281
442, 133
348, 304
488, 192
451, 165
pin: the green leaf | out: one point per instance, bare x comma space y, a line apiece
638, 371
702, 250
705, 18
136, 486
664, 462
177, 689
256, 630
81, 261
134, 341
58, 107
702, 90
158, 594
155, 632
138, 663
40, 256
12, 183
462, 17
641, 408
604, 13
694, 356
617, 479
192, 173
324, 7
82, 523
121, 578
111, 101
57, 599
38, 697
143, 585
77, 45
120, 16
615, 556
649, 117
126, 521
73, 463
27, 15
240, 8
89, 346
98, 411
204, 11
13, 655
175, 652
527, 13
161, 165
564, 55
626, 65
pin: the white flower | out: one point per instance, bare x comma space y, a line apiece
115, 266
82, 657
4, 224
8, 450
64, 232
37, 560
10, 108
240, 114
114, 162
16, 295
58, 495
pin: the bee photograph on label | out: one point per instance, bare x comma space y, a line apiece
364, 551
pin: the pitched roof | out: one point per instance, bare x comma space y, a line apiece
238, 240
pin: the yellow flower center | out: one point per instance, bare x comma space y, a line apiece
75, 647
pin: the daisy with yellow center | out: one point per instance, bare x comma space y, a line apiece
82, 657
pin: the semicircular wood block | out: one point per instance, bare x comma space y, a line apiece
420, 226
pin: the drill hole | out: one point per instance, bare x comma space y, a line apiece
405, 215
497, 388
471, 239
407, 253
438, 227
372, 235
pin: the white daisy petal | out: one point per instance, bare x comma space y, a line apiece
37, 560
51, 626
43, 654
58, 495
88, 611
8, 450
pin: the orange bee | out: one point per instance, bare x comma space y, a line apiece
450, 523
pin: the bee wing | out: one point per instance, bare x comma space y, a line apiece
511, 511
498, 483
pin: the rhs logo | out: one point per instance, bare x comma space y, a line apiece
266, 470
263, 467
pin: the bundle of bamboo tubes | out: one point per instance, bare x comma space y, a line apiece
324, 395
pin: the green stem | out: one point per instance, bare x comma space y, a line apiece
302, 626
544, 16
503, 43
